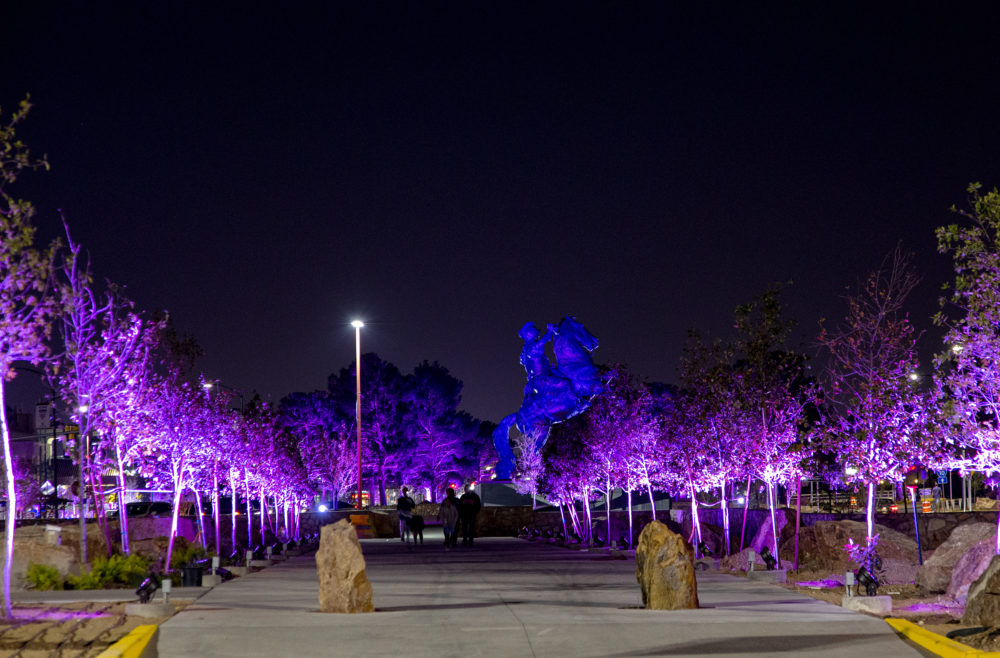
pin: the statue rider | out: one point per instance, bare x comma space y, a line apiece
536, 363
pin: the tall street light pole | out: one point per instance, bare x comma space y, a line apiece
357, 324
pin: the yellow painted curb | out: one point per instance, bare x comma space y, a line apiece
133, 645
938, 644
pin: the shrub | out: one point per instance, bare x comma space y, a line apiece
185, 556
115, 571
43, 577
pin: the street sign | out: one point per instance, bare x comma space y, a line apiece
942, 477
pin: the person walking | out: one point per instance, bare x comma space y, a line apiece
936, 493
404, 506
448, 516
468, 509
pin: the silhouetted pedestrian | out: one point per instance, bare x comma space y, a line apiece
468, 510
448, 516
404, 506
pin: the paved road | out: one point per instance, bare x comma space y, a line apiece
506, 597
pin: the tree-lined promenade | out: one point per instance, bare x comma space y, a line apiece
749, 407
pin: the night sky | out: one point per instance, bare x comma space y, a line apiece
447, 172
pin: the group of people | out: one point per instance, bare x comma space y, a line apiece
457, 515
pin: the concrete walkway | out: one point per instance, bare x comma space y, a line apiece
506, 597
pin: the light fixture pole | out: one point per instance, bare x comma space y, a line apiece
357, 324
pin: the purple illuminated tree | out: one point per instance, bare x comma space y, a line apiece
684, 441
382, 415
621, 437
877, 424
529, 465
105, 346
715, 416
324, 439
434, 450
967, 381
117, 414
773, 391
571, 472
27, 300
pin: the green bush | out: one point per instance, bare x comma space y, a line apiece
43, 577
115, 571
184, 556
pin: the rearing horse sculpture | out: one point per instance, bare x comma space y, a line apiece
553, 393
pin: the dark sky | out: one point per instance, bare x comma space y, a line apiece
447, 172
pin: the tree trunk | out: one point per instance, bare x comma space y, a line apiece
263, 515
798, 517
8, 463
607, 505
652, 501
178, 487
246, 492
577, 527
631, 532
232, 508
746, 506
774, 520
870, 514
695, 520
122, 505
201, 520
724, 508
563, 517
215, 508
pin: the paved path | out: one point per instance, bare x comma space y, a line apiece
506, 597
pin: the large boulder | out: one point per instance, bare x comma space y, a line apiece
785, 520
982, 608
30, 551
664, 567
969, 567
935, 574
97, 544
821, 548
343, 583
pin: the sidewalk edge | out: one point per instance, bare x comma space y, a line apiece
140, 643
938, 644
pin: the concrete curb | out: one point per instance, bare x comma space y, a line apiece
140, 643
935, 643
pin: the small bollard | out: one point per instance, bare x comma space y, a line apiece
849, 582
269, 551
166, 585
753, 558
249, 557
215, 564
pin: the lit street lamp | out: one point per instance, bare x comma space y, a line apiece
357, 324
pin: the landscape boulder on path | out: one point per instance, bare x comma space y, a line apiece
935, 575
340, 565
970, 566
821, 548
982, 608
664, 567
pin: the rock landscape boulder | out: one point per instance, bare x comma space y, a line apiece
936, 573
37, 551
340, 565
969, 567
664, 567
982, 608
821, 548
